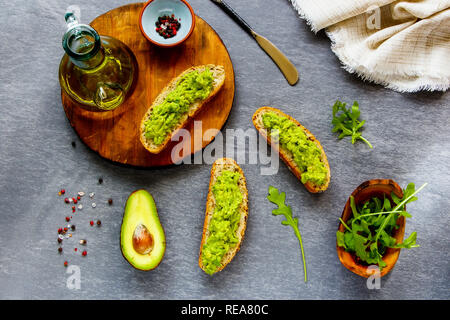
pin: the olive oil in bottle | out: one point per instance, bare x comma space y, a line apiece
96, 71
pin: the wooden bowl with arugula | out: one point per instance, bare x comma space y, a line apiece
373, 226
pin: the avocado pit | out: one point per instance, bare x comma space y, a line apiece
142, 240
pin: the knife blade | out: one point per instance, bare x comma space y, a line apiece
284, 64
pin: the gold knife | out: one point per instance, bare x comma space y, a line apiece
286, 66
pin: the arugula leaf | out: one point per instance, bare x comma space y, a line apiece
347, 121
349, 240
361, 246
353, 206
386, 240
340, 239
279, 199
409, 243
369, 231
408, 196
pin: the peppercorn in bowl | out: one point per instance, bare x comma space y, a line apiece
167, 23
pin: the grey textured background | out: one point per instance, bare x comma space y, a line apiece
410, 133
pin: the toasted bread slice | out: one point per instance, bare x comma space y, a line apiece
218, 167
286, 155
219, 79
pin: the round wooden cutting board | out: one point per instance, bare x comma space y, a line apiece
115, 134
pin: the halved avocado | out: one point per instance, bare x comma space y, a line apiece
142, 238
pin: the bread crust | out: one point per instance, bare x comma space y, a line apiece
219, 80
217, 168
286, 155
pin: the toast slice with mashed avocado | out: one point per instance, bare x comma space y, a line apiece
226, 216
297, 147
179, 101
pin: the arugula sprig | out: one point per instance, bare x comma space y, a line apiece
347, 121
279, 199
368, 232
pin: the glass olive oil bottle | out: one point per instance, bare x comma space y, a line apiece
96, 71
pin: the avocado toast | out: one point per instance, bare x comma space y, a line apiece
298, 148
178, 102
226, 216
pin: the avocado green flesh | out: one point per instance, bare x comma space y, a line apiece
224, 222
141, 209
194, 86
307, 155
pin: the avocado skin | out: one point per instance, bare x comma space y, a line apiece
159, 236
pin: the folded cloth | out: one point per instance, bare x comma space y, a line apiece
403, 45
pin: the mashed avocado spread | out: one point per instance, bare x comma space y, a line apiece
306, 154
224, 222
165, 116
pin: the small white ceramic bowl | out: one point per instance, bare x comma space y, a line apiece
154, 9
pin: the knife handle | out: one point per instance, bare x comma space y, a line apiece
236, 17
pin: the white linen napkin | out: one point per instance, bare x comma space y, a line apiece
403, 45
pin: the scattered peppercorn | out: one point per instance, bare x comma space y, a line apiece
59, 249
110, 202
74, 144
84, 253
72, 227
100, 180
99, 223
